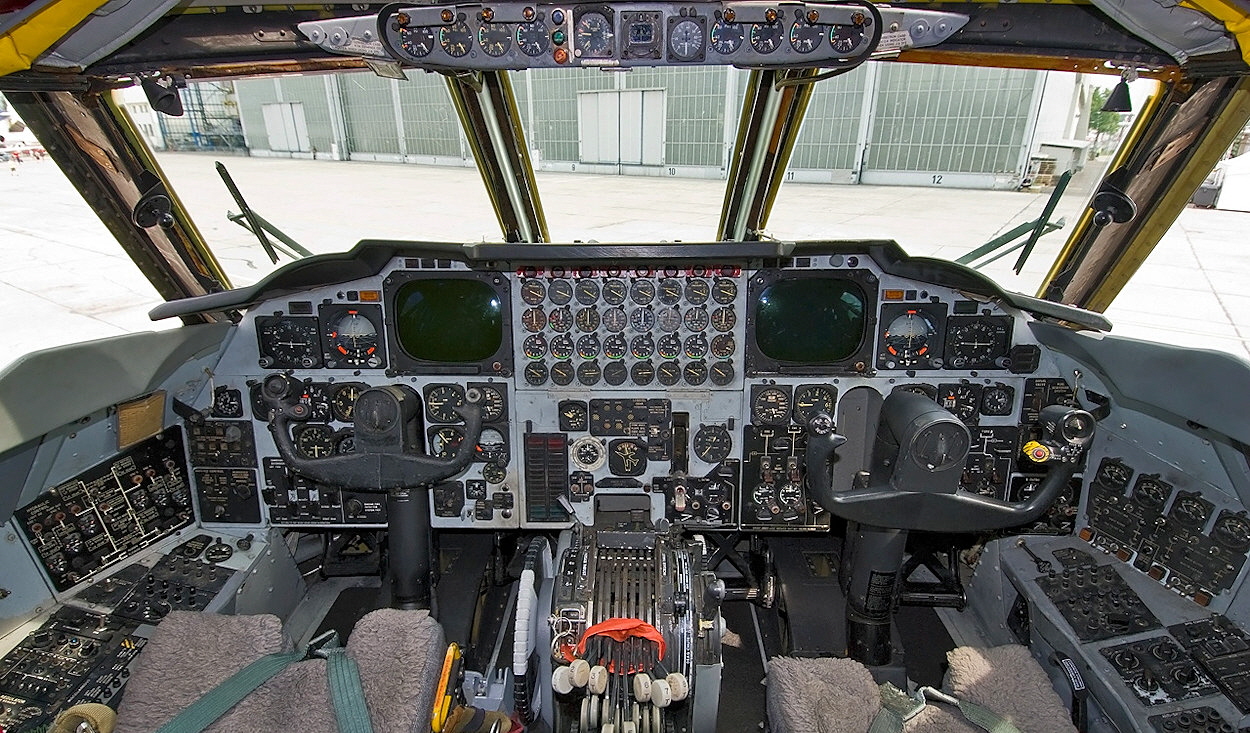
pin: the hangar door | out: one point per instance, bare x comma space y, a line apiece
621, 127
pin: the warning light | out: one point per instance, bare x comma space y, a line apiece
892, 295
447, 16
371, 296
561, 56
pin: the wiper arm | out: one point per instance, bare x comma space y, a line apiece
247, 212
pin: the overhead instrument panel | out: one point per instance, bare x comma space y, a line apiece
520, 36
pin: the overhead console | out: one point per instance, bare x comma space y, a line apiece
625, 34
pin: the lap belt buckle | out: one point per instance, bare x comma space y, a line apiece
323, 646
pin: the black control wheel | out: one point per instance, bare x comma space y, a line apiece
917, 459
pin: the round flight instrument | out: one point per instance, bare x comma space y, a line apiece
1114, 474
615, 373
615, 346
589, 373
697, 291
961, 400
492, 446
587, 319
343, 401
1150, 493
588, 453
534, 347
227, 402
317, 397
588, 346
441, 402
771, 406
723, 346
724, 319
494, 473
669, 346
642, 318
722, 373
977, 344
353, 341
536, 373
560, 292
494, 38
642, 347
712, 443
1232, 531
533, 291
696, 319
345, 442
491, 402
668, 373
1190, 511
907, 339
456, 39
289, 343
670, 291
445, 441
534, 319
586, 292
562, 347
314, 440
726, 37
790, 496
593, 36
642, 373
766, 37
695, 373
560, 319
696, 346
642, 292
615, 320
724, 290
805, 37
997, 400
685, 40
668, 319
532, 38
418, 41
615, 291
562, 373
812, 399
846, 38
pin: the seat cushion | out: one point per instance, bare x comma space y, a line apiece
399, 654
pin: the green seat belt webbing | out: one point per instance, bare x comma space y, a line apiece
897, 707
346, 693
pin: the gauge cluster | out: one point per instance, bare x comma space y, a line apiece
519, 36
690, 384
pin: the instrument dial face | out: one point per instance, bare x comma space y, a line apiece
343, 401
726, 37
573, 416
669, 346
642, 292
353, 341
790, 495
615, 320
698, 291
456, 39
669, 319
418, 41
317, 397
642, 347
593, 36
642, 318
1190, 511
533, 291
562, 347
534, 319
695, 373
1151, 493
1232, 531
445, 441
532, 38
494, 473
805, 37
907, 339
615, 346
685, 40
1114, 474
345, 442
535, 347
615, 291
442, 401
227, 402
314, 441
669, 373
670, 291
766, 37
812, 399
536, 373
642, 373
724, 319
724, 290
712, 443
562, 373
696, 319
722, 373
589, 373
997, 400
586, 292
771, 406
723, 346
615, 373
492, 403
289, 343
560, 292
588, 346
763, 494
587, 319
492, 447
696, 346
846, 38
961, 400
978, 343
494, 38
560, 319
588, 453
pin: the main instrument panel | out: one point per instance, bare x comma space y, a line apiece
686, 384
627, 34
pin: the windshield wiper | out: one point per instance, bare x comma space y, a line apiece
257, 224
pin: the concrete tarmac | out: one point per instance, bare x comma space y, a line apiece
65, 279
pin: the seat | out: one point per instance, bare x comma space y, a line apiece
839, 695
399, 653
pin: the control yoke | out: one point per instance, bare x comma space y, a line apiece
917, 459
387, 440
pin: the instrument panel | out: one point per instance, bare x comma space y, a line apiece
520, 36
688, 384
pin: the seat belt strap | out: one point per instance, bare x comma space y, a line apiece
217, 702
897, 707
346, 692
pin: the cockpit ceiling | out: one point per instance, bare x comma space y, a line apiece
235, 39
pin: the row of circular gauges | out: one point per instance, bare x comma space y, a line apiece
710, 444
1152, 493
668, 373
642, 318
642, 291
617, 346
639, 36
337, 401
321, 440
346, 338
